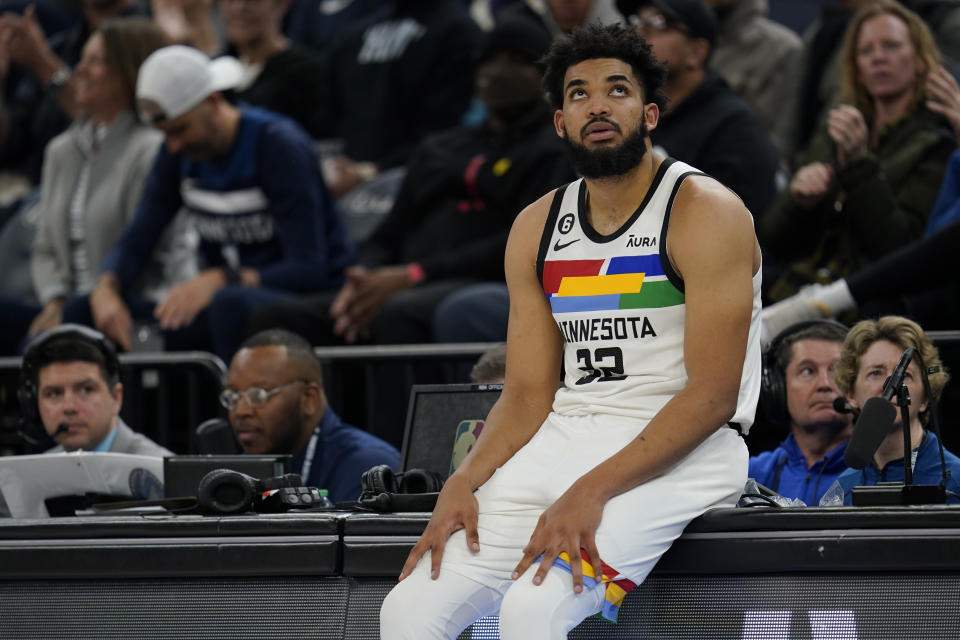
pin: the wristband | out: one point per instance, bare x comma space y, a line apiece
415, 272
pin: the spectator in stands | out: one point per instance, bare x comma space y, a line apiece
919, 276
278, 75
318, 24
250, 182
799, 390
761, 61
277, 406
93, 175
706, 124
868, 180
395, 79
562, 16
491, 367
70, 384
195, 23
38, 101
918, 280
449, 224
870, 353
820, 83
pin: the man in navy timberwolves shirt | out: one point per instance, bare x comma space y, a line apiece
250, 184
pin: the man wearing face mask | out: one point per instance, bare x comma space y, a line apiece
448, 227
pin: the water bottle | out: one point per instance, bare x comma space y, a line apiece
325, 502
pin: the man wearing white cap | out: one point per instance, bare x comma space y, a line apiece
250, 182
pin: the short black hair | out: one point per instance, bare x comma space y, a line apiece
603, 41
74, 348
826, 330
298, 349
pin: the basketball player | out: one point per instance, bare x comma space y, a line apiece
643, 280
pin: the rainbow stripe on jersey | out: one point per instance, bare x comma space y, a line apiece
626, 282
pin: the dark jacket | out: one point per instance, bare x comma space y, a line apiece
289, 84
406, 73
880, 203
461, 193
340, 456
716, 132
926, 470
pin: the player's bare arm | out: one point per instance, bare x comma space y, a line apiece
534, 347
712, 246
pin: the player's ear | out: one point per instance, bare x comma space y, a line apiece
651, 114
558, 123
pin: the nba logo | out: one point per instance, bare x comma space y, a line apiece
467, 433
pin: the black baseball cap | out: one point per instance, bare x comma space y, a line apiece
697, 16
517, 33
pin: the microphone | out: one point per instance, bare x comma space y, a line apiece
876, 418
840, 405
892, 385
873, 425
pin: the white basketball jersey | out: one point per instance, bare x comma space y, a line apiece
620, 306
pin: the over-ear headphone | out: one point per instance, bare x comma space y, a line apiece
31, 428
773, 386
380, 487
225, 491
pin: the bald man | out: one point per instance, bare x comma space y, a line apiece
277, 406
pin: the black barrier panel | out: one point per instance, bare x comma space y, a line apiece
770, 607
259, 608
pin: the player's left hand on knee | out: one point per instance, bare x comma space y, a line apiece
569, 525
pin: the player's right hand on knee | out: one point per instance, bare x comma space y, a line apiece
456, 509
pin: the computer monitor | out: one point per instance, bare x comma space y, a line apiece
443, 422
182, 474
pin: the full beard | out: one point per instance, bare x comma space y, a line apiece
607, 162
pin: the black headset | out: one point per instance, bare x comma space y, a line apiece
773, 387
380, 488
225, 491
31, 427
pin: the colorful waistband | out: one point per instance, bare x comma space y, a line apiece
616, 587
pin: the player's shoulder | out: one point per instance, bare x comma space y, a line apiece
707, 200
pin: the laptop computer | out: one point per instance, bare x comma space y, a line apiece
443, 422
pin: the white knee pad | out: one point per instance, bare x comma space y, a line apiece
548, 611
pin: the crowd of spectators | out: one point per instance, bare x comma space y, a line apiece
841, 141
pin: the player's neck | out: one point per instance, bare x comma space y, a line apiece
611, 201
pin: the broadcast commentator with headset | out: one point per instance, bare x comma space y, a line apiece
798, 390
70, 395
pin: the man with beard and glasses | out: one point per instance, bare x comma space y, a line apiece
448, 226
642, 280
277, 406
799, 389
705, 123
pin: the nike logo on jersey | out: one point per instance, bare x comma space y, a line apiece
557, 246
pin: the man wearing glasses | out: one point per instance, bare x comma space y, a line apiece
277, 406
705, 124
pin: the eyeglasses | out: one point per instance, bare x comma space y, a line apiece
655, 22
256, 397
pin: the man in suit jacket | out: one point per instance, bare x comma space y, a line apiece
70, 384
